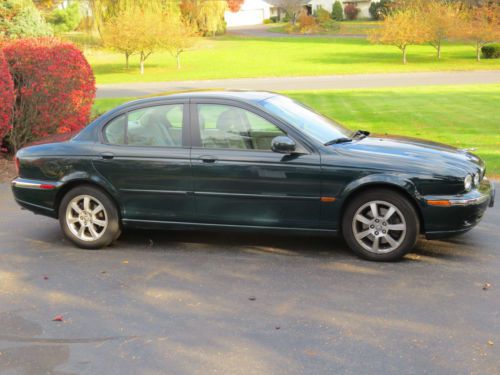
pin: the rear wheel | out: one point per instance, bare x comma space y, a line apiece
380, 225
89, 218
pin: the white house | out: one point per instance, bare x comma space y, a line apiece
254, 12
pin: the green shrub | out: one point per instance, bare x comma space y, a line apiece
268, 21
337, 11
351, 11
64, 20
21, 19
329, 25
274, 19
322, 15
491, 51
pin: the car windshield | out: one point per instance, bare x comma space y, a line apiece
305, 119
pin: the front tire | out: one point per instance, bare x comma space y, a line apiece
380, 225
89, 218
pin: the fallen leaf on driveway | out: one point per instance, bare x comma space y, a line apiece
58, 318
490, 342
486, 286
125, 261
252, 298
45, 277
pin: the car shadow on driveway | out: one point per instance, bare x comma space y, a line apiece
310, 246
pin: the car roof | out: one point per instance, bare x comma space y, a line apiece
242, 95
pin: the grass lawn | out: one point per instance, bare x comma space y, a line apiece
239, 57
462, 116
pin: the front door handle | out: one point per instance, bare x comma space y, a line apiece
208, 159
107, 155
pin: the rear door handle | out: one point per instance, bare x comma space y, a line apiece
107, 155
208, 159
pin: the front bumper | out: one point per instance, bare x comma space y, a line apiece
445, 216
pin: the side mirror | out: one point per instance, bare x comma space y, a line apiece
283, 145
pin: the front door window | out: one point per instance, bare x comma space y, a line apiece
229, 127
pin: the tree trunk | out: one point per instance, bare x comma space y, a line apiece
478, 51
439, 50
127, 55
178, 61
404, 55
142, 63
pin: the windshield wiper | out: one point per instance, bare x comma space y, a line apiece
360, 134
338, 140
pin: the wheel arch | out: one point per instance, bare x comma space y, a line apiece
79, 181
401, 186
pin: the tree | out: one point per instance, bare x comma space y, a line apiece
440, 19
337, 11
47, 5
235, 5
120, 33
480, 25
211, 17
292, 8
104, 10
136, 30
180, 36
379, 10
401, 29
54, 89
6, 97
206, 16
64, 20
21, 19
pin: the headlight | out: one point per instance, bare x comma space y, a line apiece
468, 182
476, 179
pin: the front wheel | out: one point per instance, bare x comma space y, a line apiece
89, 218
380, 225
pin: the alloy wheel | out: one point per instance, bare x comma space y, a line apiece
86, 218
379, 227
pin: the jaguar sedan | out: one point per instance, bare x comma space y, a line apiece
250, 160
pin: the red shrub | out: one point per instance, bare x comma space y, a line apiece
54, 87
351, 11
6, 97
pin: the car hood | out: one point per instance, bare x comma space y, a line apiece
411, 154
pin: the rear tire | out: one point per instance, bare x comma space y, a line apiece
380, 225
89, 218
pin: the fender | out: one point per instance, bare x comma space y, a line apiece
400, 181
77, 178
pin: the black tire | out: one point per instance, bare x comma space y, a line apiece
406, 240
107, 234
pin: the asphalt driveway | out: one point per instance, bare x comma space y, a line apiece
236, 303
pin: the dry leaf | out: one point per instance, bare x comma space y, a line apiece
58, 318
